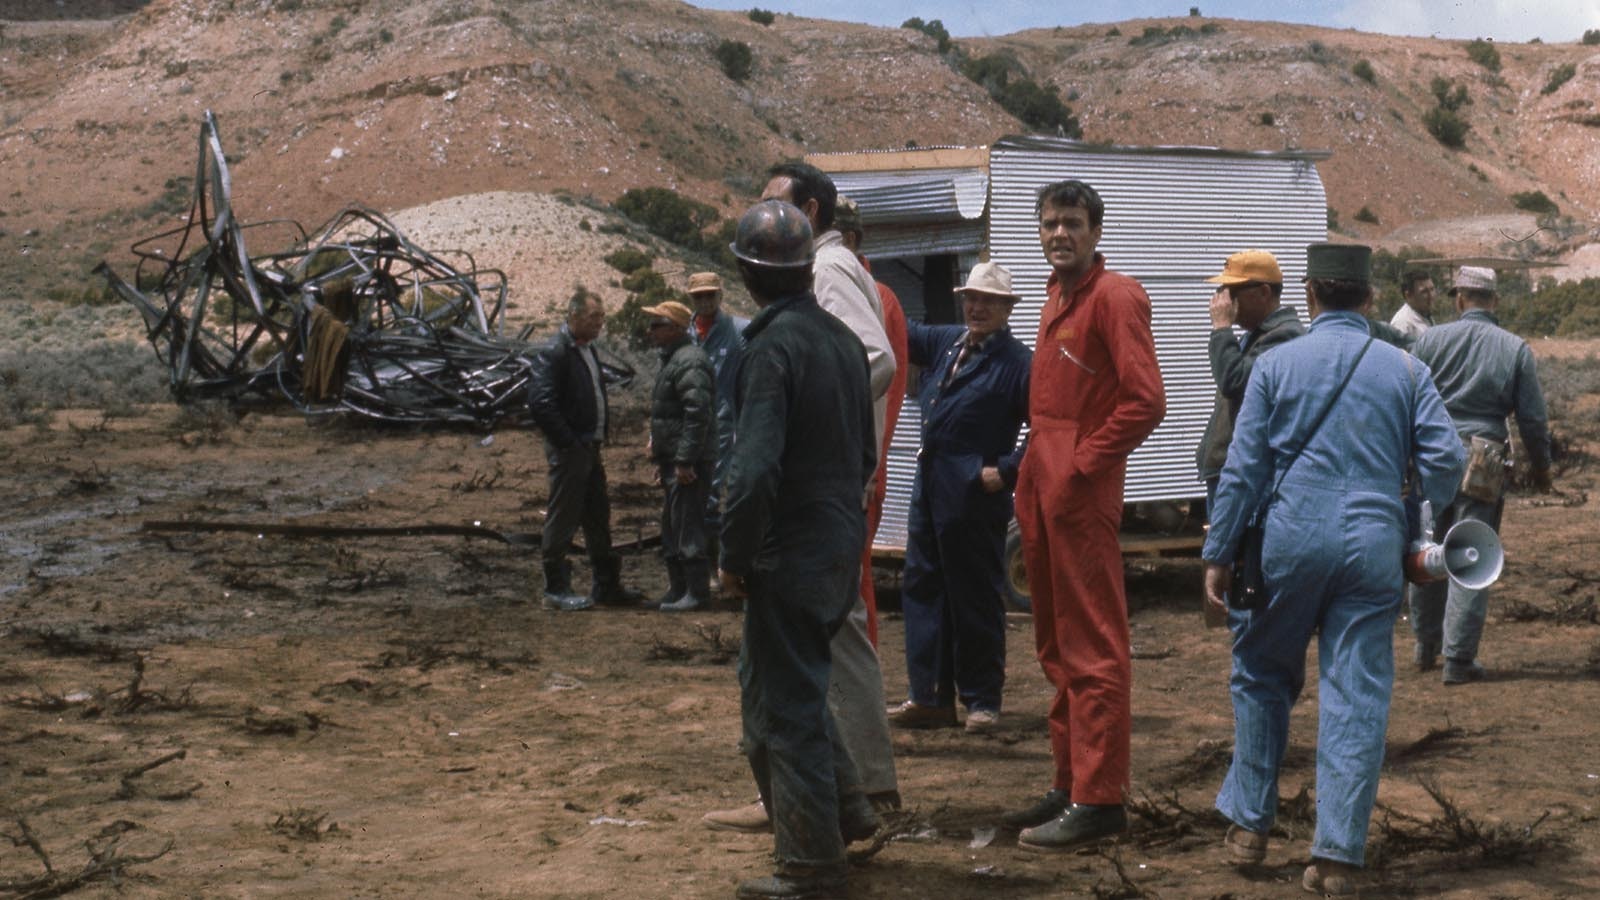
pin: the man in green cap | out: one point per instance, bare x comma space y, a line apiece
1319, 451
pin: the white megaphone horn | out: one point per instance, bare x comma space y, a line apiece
1470, 556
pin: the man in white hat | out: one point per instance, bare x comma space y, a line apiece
974, 399
1484, 374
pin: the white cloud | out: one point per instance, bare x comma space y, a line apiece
1504, 20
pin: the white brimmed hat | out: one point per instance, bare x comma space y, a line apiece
989, 278
1473, 278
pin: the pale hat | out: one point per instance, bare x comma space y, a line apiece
705, 283
1474, 278
989, 278
671, 310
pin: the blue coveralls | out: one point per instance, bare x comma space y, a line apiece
955, 543
723, 344
1335, 536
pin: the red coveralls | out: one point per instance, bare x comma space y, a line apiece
1095, 395
894, 325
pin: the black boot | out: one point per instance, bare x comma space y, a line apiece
675, 582
558, 588
607, 588
697, 587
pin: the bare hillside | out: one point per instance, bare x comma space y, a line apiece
400, 104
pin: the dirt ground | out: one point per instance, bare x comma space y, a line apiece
393, 717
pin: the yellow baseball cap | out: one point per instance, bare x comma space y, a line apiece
1249, 267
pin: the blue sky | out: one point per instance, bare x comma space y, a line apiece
1503, 20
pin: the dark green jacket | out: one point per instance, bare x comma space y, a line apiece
805, 448
683, 407
1230, 369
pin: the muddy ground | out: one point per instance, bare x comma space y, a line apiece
233, 715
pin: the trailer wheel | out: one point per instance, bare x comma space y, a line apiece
1018, 594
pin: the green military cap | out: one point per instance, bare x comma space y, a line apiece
1341, 262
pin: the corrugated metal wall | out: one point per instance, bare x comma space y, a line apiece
1172, 217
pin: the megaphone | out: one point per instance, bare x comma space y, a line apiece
1470, 556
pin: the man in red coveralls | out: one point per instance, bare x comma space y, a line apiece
847, 218
1095, 395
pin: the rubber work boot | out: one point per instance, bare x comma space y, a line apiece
675, 582
1054, 802
697, 587
607, 588
1082, 824
558, 593
795, 883
751, 818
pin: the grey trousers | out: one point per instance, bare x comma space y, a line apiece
577, 500
855, 697
1444, 613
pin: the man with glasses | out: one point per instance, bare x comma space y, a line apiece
1249, 295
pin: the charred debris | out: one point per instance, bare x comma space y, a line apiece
351, 318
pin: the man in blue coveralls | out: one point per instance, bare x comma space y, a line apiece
1335, 537
974, 399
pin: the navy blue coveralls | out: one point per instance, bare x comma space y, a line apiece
954, 572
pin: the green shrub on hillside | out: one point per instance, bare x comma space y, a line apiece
645, 287
1363, 70
1450, 95
762, 16
1484, 54
1568, 309
1037, 106
1365, 214
1536, 202
668, 215
1447, 127
736, 59
1267, 119
1562, 74
628, 259
1591, 37
934, 29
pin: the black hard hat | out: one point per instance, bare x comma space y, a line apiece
774, 235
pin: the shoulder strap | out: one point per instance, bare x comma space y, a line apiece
1321, 416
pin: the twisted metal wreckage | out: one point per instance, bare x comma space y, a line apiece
352, 318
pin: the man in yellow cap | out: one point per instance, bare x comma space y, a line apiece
683, 445
1249, 295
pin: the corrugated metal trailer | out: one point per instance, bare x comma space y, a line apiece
1173, 214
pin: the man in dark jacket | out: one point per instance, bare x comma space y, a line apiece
1250, 296
974, 399
792, 532
719, 333
567, 401
683, 447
